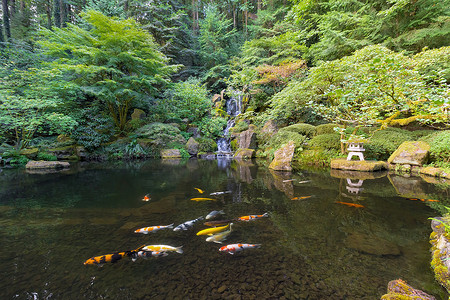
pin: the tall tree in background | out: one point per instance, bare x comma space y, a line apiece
6, 19
57, 13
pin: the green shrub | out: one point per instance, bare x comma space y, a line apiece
328, 141
420, 134
384, 142
206, 144
283, 137
301, 128
326, 128
240, 126
316, 157
46, 156
439, 145
159, 135
212, 127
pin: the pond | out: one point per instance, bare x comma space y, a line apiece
314, 247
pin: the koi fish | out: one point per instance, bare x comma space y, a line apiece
288, 180
199, 190
233, 248
163, 248
217, 223
187, 225
301, 198
203, 199
252, 217
146, 198
211, 231
147, 230
304, 181
413, 199
220, 193
430, 200
147, 254
219, 237
350, 204
110, 258
214, 214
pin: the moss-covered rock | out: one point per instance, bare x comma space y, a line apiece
206, 145
32, 164
170, 153
283, 158
400, 290
244, 154
247, 139
307, 130
364, 165
30, 153
192, 146
411, 153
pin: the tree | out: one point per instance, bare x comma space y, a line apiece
115, 62
6, 19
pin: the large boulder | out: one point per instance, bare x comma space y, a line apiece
30, 153
399, 289
283, 158
41, 164
244, 154
358, 165
247, 139
192, 146
410, 153
170, 153
138, 114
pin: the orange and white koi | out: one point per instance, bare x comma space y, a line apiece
199, 190
110, 258
214, 230
146, 198
203, 199
163, 248
253, 217
301, 198
147, 230
233, 248
350, 204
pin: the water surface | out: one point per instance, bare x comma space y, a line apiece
313, 248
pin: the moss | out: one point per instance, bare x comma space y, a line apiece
330, 141
301, 128
384, 142
317, 158
239, 127
233, 145
283, 137
206, 145
326, 128
439, 149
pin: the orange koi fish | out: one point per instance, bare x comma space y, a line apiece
252, 217
110, 258
431, 200
301, 198
146, 198
233, 248
203, 199
413, 199
199, 190
147, 230
350, 204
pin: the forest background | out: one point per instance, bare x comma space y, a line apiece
73, 72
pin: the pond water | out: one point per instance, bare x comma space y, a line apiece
311, 248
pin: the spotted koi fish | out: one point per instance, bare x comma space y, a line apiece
147, 230
163, 248
111, 258
253, 217
146, 198
350, 204
199, 190
187, 225
147, 254
233, 248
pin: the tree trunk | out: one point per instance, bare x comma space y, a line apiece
258, 6
125, 7
6, 19
48, 12
57, 13
13, 8
2, 39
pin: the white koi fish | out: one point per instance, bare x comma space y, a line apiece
220, 193
219, 237
233, 248
187, 225
304, 181
163, 248
147, 230
214, 214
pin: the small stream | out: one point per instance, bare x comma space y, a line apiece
314, 247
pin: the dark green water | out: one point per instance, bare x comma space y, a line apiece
311, 249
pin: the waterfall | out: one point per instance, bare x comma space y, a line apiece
233, 107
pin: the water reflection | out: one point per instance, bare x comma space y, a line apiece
313, 248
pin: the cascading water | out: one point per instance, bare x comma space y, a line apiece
233, 107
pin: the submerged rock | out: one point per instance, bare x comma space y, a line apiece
411, 153
283, 158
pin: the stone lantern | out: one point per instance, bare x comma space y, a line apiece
355, 148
